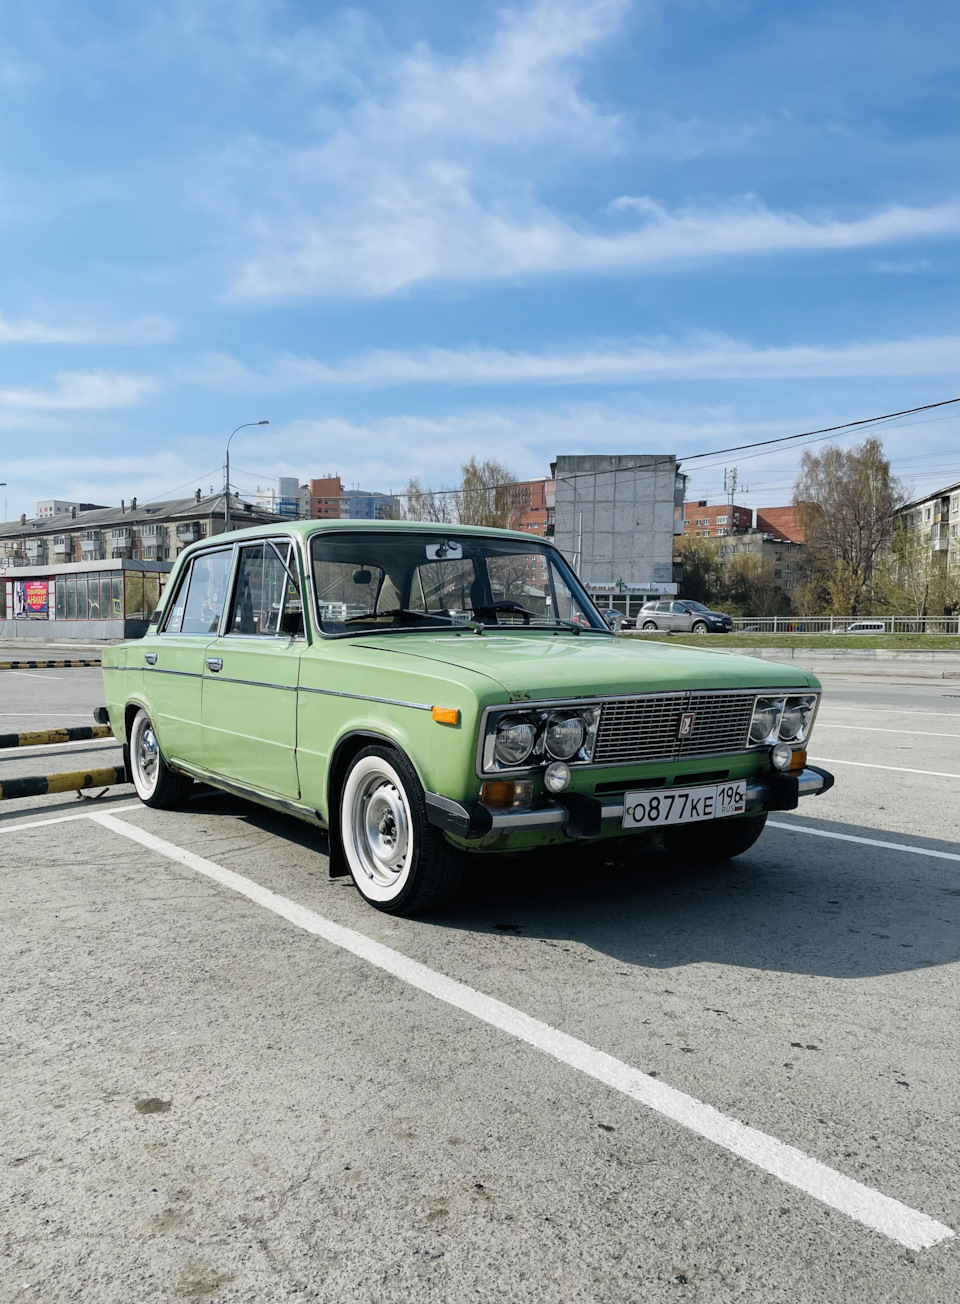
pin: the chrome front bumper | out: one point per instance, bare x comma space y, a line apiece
579, 816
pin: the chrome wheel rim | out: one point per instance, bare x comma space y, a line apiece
145, 753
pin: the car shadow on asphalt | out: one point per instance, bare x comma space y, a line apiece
792, 904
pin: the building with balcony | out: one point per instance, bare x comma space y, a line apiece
154, 532
935, 522
715, 522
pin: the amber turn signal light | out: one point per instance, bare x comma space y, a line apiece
798, 762
446, 715
501, 794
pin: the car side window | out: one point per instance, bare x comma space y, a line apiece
266, 598
679, 609
663, 607
199, 602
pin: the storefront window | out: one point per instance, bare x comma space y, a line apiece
83, 610
106, 609
61, 607
71, 597
116, 595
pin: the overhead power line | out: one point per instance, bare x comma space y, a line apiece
694, 457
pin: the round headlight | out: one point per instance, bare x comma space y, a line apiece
796, 714
556, 777
764, 721
781, 755
564, 737
514, 740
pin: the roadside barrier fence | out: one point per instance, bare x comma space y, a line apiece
840, 624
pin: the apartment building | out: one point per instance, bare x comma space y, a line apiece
936, 520
534, 503
715, 522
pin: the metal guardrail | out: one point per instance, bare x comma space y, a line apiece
839, 624
46, 737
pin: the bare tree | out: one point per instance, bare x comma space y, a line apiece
420, 504
486, 495
849, 500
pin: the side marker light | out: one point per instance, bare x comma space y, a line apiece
446, 715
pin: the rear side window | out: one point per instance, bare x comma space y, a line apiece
199, 602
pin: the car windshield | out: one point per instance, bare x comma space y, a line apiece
392, 579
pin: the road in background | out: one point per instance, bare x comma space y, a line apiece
205, 1101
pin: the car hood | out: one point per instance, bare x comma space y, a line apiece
539, 666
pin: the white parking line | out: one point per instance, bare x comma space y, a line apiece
863, 728
893, 710
897, 1221
7, 753
869, 842
868, 765
63, 819
33, 674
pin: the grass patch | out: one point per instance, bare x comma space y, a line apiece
862, 642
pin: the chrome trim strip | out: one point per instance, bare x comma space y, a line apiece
365, 697
284, 804
155, 670
253, 683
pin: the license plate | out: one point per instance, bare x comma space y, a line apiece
683, 805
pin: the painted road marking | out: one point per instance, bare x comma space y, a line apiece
28, 674
863, 728
867, 765
63, 819
93, 743
869, 842
872, 710
883, 1214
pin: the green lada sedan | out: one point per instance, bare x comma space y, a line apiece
428, 692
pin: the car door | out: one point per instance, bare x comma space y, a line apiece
173, 660
680, 618
251, 672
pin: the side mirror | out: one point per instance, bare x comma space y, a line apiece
615, 620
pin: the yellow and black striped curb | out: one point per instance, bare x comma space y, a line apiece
46, 665
42, 784
42, 737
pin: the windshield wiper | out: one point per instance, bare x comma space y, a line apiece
448, 621
525, 611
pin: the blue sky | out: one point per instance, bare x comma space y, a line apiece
408, 234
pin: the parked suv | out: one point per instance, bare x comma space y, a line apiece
684, 617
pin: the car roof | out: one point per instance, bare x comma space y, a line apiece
306, 529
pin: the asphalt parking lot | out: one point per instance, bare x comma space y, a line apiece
227, 1079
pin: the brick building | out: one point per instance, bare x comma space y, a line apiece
533, 502
715, 522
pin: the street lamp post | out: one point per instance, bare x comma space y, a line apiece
226, 504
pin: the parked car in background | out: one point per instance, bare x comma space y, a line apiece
864, 627
681, 616
432, 693
617, 620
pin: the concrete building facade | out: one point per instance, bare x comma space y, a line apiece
616, 519
936, 520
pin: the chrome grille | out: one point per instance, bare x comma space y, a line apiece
645, 728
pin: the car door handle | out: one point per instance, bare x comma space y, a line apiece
215, 664
150, 658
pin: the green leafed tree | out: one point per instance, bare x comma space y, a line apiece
849, 501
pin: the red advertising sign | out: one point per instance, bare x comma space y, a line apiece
31, 600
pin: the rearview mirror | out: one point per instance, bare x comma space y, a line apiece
448, 550
362, 576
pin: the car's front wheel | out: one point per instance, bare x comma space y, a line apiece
699, 627
156, 784
714, 840
400, 863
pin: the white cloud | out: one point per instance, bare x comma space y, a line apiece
141, 330
703, 356
436, 168
92, 390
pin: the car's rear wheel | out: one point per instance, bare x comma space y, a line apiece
400, 863
156, 784
649, 624
714, 840
699, 627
